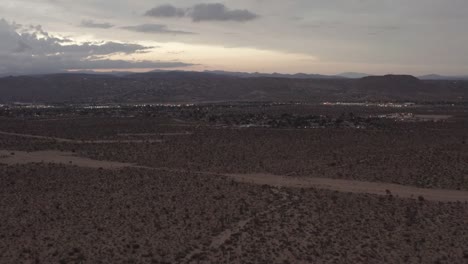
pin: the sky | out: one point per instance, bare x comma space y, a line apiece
310, 36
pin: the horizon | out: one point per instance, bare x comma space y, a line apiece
311, 37
348, 75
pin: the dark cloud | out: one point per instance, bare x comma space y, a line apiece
36, 51
106, 48
203, 12
121, 64
22, 47
166, 11
155, 29
92, 24
219, 12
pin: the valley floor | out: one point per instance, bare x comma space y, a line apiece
161, 188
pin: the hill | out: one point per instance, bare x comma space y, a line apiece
442, 77
206, 87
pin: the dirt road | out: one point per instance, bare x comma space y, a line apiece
74, 141
65, 158
377, 188
353, 186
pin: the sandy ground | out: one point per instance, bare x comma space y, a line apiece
154, 134
351, 186
434, 117
19, 157
66, 140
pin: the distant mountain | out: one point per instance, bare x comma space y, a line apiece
344, 75
442, 77
275, 75
185, 86
89, 72
390, 84
395, 86
353, 75
181, 75
116, 73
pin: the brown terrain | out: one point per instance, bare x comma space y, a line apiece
234, 183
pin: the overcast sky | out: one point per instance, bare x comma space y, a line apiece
311, 36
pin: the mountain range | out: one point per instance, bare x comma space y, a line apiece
347, 75
197, 87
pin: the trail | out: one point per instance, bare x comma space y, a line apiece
155, 134
351, 186
220, 239
65, 158
74, 141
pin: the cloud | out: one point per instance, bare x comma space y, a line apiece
380, 29
22, 47
204, 12
219, 12
36, 51
155, 29
166, 11
122, 64
92, 24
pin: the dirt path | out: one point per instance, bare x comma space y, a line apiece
224, 236
154, 134
351, 186
66, 140
65, 158
237, 228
